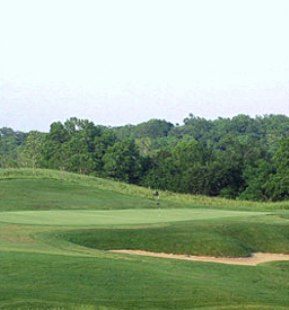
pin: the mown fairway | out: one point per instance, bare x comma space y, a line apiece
55, 231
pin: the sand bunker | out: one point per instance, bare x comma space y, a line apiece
255, 259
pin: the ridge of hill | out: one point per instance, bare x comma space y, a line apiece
41, 183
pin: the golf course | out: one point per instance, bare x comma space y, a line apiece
69, 241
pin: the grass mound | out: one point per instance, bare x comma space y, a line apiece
218, 238
55, 194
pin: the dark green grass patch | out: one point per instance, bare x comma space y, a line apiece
47, 194
34, 281
214, 238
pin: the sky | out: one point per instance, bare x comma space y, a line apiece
118, 62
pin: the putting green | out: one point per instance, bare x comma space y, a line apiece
116, 217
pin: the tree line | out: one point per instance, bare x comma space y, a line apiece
239, 157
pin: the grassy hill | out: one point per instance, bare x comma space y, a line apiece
50, 189
56, 228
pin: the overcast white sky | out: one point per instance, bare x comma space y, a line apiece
116, 62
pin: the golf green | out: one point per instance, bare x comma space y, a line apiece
117, 217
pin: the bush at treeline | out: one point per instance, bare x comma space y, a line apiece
241, 157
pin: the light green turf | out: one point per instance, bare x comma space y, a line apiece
117, 217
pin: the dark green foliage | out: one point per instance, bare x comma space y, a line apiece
231, 151
195, 127
32, 149
238, 158
10, 143
259, 181
153, 129
122, 162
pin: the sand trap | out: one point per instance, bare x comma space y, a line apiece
255, 259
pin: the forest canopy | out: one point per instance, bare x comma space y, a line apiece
240, 157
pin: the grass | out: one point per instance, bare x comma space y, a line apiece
52, 282
55, 228
56, 194
168, 199
117, 217
218, 237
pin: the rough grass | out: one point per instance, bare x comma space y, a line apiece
224, 237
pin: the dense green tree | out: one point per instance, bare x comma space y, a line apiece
78, 157
80, 149
239, 157
32, 151
195, 127
53, 148
153, 129
163, 171
10, 143
102, 143
279, 182
180, 168
258, 181
122, 162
